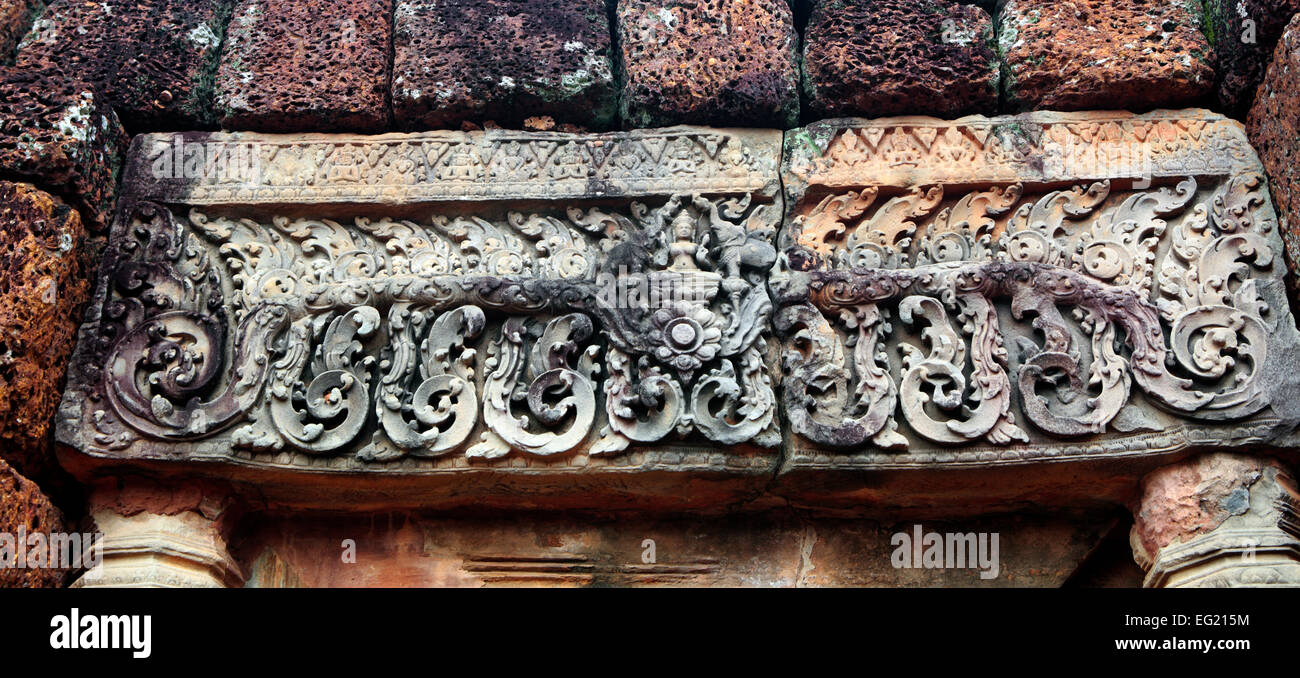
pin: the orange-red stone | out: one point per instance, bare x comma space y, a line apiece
44, 283
1274, 130
25, 510
300, 65
1103, 54
714, 62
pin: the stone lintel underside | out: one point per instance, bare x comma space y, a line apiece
895, 313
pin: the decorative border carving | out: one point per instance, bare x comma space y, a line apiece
246, 169
1039, 147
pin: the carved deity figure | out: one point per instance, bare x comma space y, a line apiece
345, 164
683, 249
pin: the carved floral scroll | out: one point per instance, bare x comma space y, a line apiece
921, 293
1022, 298
507, 328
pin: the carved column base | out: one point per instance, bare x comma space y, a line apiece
161, 537
1219, 520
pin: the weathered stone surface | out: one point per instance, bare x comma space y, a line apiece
58, 134
876, 58
1103, 54
45, 271
1244, 33
1023, 259
504, 61
154, 61
161, 534
617, 278
1218, 520
715, 62
934, 325
770, 549
155, 551
16, 17
1274, 129
296, 65
25, 510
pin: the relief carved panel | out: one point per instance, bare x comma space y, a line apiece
1043, 287
540, 310
600, 304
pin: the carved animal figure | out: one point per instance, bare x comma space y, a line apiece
735, 245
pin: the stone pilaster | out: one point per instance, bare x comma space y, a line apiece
161, 536
1218, 520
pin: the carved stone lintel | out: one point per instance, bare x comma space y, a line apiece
433, 167
509, 303
456, 313
1219, 520
1012, 290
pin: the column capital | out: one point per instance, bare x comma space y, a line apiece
162, 534
1218, 520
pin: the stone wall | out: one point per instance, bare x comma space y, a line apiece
702, 292
373, 66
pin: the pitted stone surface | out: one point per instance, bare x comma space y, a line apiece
1103, 54
25, 510
16, 17
58, 134
153, 60
44, 284
1244, 33
297, 65
713, 62
1274, 128
891, 57
502, 60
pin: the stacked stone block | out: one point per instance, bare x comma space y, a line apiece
894, 57
1274, 129
1103, 54
503, 61
57, 132
45, 274
154, 61
297, 66
714, 62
